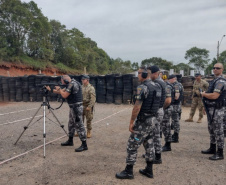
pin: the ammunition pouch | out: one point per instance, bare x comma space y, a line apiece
217, 105
75, 109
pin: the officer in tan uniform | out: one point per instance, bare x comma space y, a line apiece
89, 99
199, 84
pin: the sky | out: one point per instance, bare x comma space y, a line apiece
141, 29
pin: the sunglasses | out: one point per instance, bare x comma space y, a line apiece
218, 68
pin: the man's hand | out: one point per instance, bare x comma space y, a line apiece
131, 127
48, 88
203, 93
88, 108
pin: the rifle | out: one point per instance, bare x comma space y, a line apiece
206, 109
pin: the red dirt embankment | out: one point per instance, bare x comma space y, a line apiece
10, 69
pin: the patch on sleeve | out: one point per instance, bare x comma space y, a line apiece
218, 87
139, 93
177, 88
168, 92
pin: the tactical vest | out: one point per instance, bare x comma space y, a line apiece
151, 104
222, 96
163, 88
176, 102
172, 93
75, 97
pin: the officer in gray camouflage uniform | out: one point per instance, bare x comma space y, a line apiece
145, 108
176, 107
73, 95
154, 75
214, 102
168, 108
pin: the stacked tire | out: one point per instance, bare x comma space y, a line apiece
53, 96
187, 82
118, 92
32, 88
101, 89
19, 91
1, 90
38, 81
25, 88
128, 88
5, 89
110, 85
12, 89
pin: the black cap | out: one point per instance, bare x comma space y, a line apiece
154, 69
197, 74
171, 76
85, 77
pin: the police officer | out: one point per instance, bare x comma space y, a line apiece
89, 99
214, 103
176, 106
156, 77
202, 85
146, 105
73, 95
168, 108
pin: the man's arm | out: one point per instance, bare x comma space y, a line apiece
211, 96
167, 102
135, 112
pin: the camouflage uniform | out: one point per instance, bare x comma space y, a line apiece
166, 129
143, 130
89, 99
196, 97
215, 127
75, 115
176, 108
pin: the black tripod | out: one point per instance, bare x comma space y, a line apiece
44, 105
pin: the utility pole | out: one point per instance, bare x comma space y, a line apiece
218, 47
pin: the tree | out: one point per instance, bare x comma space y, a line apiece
182, 66
198, 57
161, 63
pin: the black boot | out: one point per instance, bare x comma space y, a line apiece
69, 142
82, 147
166, 147
175, 138
211, 150
158, 159
126, 174
148, 171
218, 156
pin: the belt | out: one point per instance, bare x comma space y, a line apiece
75, 105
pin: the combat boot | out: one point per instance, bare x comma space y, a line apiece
199, 120
158, 159
126, 174
69, 142
190, 119
82, 147
148, 171
175, 138
166, 147
88, 134
218, 156
211, 150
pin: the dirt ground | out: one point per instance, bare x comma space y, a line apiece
106, 154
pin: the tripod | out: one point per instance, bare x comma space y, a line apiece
44, 105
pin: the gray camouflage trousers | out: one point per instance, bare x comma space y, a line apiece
166, 129
215, 128
76, 123
158, 128
143, 130
176, 117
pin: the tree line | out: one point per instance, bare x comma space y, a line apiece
25, 31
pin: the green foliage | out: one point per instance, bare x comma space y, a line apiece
198, 57
182, 66
161, 63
